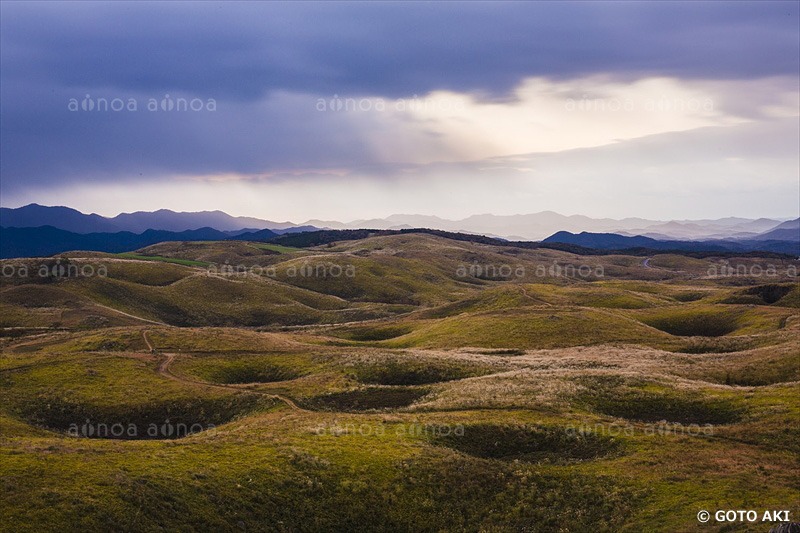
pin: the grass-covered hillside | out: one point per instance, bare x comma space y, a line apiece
403, 382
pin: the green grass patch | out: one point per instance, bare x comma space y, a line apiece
689, 323
185, 262
713, 321
761, 294
638, 401
277, 248
464, 493
416, 371
608, 298
529, 328
701, 345
528, 443
366, 399
167, 419
754, 371
689, 296
242, 369
153, 273
375, 333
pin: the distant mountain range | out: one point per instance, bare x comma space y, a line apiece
36, 230
788, 231
537, 226
785, 240
46, 240
534, 226
66, 218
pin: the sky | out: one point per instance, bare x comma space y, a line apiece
344, 111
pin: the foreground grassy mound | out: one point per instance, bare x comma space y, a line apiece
50, 306
651, 403
223, 340
41, 295
380, 278
493, 495
130, 339
159, 258
782, 294
153, 420
115, 397
248, 372
547, 294
531, 444
210, 300
489, 299
713, 321
342, 486
701, 345
246, 368
752, 368
366, 399
530, 328
219, 252
393, 371
373, 333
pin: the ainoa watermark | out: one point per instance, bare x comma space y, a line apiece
377, 430
741, 270
662, 428
303, 270
342, 104
129, 430
648, 105
55, 269
505, 271
165, 104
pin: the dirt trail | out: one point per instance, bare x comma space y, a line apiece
164, 370
129, 315
646, 264
331, 325
147, 341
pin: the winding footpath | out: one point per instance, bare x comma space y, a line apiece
123, 313
164, 370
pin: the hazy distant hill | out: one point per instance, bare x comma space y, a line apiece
47, 240
788, 231
65, 218
605, 241
164, 219
534, 226
612, 241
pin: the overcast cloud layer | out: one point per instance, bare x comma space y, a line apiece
337, 110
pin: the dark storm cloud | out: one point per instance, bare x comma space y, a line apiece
239, 53
242, 50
